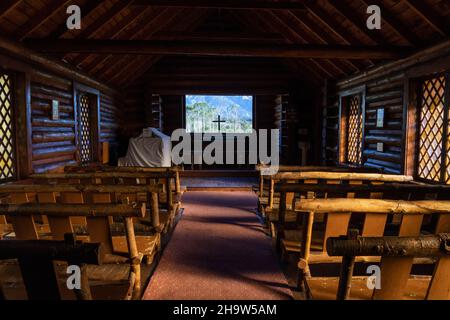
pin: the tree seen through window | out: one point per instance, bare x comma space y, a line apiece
212, 114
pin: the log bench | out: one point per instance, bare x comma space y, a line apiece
389, 248
374, 214
265, 189
37, 261
313, 178
122, 257
148, 227
170, 202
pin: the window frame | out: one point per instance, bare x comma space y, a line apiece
225, 94
14, 126
344, 96
94, 97
446, 122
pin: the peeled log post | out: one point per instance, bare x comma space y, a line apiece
345, 279
281, 219
420, 247
155, 210
134, 257
84, 293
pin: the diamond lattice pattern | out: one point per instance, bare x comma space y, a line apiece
7, 157
354, 147
432, 129
85, 130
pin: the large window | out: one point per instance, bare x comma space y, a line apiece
213, 114
7, 150
433, 161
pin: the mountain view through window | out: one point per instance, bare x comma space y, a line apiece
212, 114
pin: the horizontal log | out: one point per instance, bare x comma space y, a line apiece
423, 246
14, 188
225, 4
345, 188
373, 206
100, 175
285, 168
77, 253
140, 47
96, 168
74, 210
341, 176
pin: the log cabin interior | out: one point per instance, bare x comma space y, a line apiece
96, 204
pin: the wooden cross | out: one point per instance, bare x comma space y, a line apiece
219, 121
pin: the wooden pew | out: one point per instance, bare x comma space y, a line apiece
149, 239
36, 259
121, 264
169, 211
266, 194
398, 248
322, 178
396, 270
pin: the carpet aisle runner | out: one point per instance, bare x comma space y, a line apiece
218, 251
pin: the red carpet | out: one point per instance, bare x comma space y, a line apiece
218, 251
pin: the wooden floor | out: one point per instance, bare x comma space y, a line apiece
218, 251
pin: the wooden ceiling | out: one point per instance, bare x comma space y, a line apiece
121, 40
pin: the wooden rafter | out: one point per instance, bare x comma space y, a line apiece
226, 4
158, 21
430, 16
86, 9
100, 22
291, 35
38, 20
328, 20
113, 33
310, 36
6, 6
396, 24
323, 36
357, 21
188, 21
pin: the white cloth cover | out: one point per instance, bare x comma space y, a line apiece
151, 149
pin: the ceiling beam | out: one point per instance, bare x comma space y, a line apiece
226, 4
39, 19
141, 47
218, 36
431, 17
7, 6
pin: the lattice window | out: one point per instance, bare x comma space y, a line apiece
354, 130
85, 130
434, 141
7, 150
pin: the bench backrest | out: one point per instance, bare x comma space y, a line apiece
395, 270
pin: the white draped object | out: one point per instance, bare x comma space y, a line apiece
151, 149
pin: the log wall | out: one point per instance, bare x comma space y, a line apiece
47, 144
386, 87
